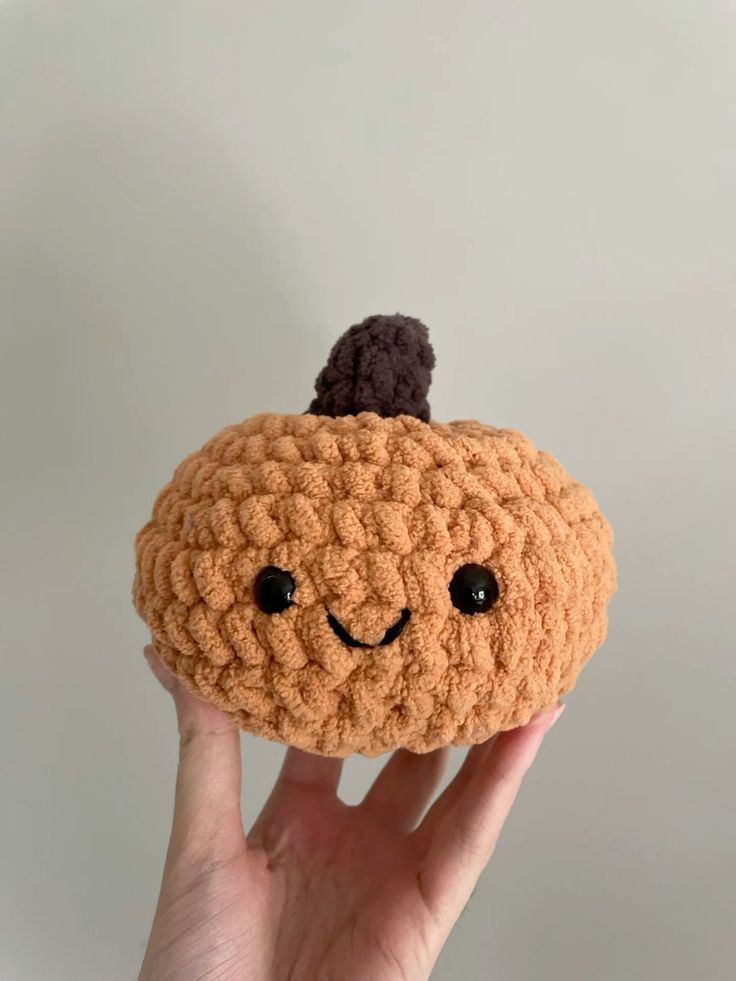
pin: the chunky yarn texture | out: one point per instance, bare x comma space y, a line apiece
382, 365
371, 516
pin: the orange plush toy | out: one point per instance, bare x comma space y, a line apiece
360, 578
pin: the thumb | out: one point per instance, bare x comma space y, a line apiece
207, 815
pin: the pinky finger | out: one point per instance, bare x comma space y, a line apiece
460, 831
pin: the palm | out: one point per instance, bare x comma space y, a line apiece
345, 893
320, 889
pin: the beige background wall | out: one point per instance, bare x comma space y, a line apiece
195, 199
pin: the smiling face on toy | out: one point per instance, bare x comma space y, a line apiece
356, 579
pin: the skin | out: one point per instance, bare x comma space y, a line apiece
317, 888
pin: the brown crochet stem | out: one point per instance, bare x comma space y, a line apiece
382, 365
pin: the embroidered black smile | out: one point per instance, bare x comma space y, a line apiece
391, 634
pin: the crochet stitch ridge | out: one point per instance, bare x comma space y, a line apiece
372, 516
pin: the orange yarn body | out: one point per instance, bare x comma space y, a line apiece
372, 516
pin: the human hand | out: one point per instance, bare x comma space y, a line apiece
319, 890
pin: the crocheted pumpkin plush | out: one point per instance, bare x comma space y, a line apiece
360, 578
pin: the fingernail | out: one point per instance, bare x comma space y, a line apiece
560, 709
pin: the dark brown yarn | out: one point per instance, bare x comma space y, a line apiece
382, 365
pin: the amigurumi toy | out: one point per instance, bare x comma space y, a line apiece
360, 578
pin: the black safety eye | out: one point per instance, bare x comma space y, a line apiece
473, 589
273, 589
